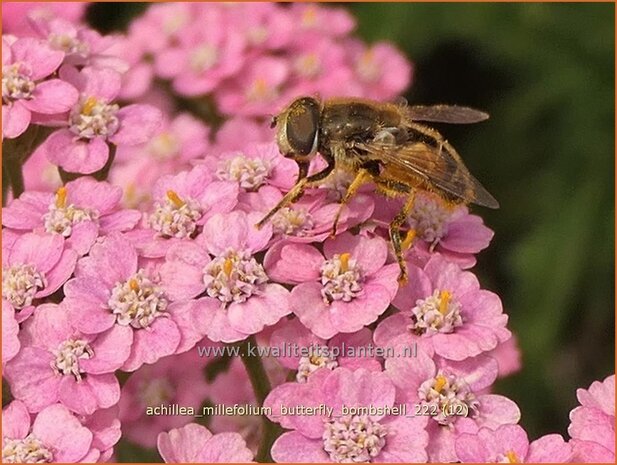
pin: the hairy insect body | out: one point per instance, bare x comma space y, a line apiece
380, 143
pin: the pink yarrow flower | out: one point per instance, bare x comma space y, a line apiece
257, 89
311, 218
448, 391
26, 93
96, 121
440, 228
266, 26
322, 68
203, 55
35, 265
182, 204
82, 46
592, 424
314, 21
255, 167
169, 381
444, 310
340, 292
79, 211
55, 435
382, 71
241, 299
60, 364
179, 141
196, 444
111, 289
159, 29
17, 17
230, 387
370, 436
305, 353
509, 444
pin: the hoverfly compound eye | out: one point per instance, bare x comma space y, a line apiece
302, 126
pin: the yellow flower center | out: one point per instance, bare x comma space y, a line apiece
444, 301
89, 105
345, 261
309, 17
175, 199
61, 197
228, 266
133, 284
512, 457
440, 382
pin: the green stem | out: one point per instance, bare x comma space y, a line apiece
6, 183
261, 386
15, 153
15, 176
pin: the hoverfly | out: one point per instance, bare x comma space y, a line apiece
381, 143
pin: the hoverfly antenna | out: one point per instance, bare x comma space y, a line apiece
273, 121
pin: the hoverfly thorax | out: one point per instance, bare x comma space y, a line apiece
298, 128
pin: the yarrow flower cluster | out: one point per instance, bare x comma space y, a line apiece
131, 259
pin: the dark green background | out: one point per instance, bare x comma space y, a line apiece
545, 73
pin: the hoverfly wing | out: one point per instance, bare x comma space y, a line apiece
439, 168
452, 114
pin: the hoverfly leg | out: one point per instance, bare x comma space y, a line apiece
298, 190
362, 177
294, 193
395, 236
303, 168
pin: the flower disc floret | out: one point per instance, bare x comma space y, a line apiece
438, 313
92, 117
430, 218
250, 173
16, 82
67, 357
234, 276
175, 216
292, 221
138, 301
322, 357
20, 283
61, 217
341, 278
68, 44
354, 439
26, 450
446, 393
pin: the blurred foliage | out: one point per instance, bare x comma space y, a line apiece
545, 73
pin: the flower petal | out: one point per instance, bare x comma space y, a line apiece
58, 429
75, 155
52, 97
138, 123
15, 120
